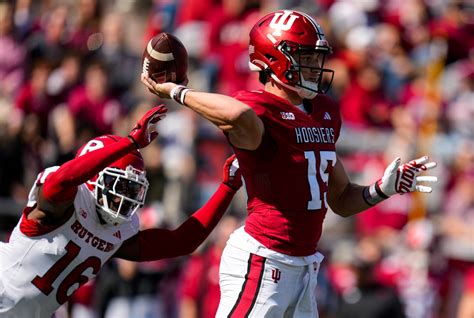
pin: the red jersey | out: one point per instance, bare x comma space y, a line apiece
287, 175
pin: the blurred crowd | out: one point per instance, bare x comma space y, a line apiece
404, 79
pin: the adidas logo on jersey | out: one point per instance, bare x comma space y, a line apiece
327, 116
287, 115
117, 235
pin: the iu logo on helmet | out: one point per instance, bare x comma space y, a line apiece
280, 22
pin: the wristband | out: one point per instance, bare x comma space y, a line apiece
174, 91
178, 93
373, 194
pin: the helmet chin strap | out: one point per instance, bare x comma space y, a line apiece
301, 91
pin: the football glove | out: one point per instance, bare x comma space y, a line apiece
145, 131
232, 176
401, 179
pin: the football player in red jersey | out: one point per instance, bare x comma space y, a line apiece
82, 213
284, 137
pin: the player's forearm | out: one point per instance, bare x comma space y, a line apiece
244, 127
61, 185
349, 202
223, 111
210, 214
157, 244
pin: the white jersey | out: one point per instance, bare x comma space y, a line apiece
39, 272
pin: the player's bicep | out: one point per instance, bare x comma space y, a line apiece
248, 133
338, 182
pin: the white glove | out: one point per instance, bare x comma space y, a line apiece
401, 179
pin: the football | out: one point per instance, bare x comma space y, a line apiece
165, 59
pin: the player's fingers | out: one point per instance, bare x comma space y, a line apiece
148, 82
234, 167
430, 165
235, 163
149, 86
156, 118
420, 160
159, 110
393, 166
152, 126
423, 189
156, 111
144, 79
426, 179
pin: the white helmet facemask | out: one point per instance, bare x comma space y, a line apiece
120, 193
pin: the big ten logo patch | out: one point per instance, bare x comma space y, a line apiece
287, 115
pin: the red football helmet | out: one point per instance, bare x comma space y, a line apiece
287, 45
119, 189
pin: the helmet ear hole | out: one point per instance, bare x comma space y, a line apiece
262, 77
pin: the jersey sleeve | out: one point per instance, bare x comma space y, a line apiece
251, 99
40, 179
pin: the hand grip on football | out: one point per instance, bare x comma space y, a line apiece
165, 59
145, 131
162, 90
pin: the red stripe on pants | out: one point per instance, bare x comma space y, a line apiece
249, 292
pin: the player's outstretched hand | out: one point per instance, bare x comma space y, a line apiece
145, 131
163, 90
232, 176
404, 178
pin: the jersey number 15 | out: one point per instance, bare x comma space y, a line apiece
326, 158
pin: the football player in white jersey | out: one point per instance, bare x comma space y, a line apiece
83, 213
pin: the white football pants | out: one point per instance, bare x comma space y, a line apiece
257, 286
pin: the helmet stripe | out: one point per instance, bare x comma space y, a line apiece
316, 26
271, 38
